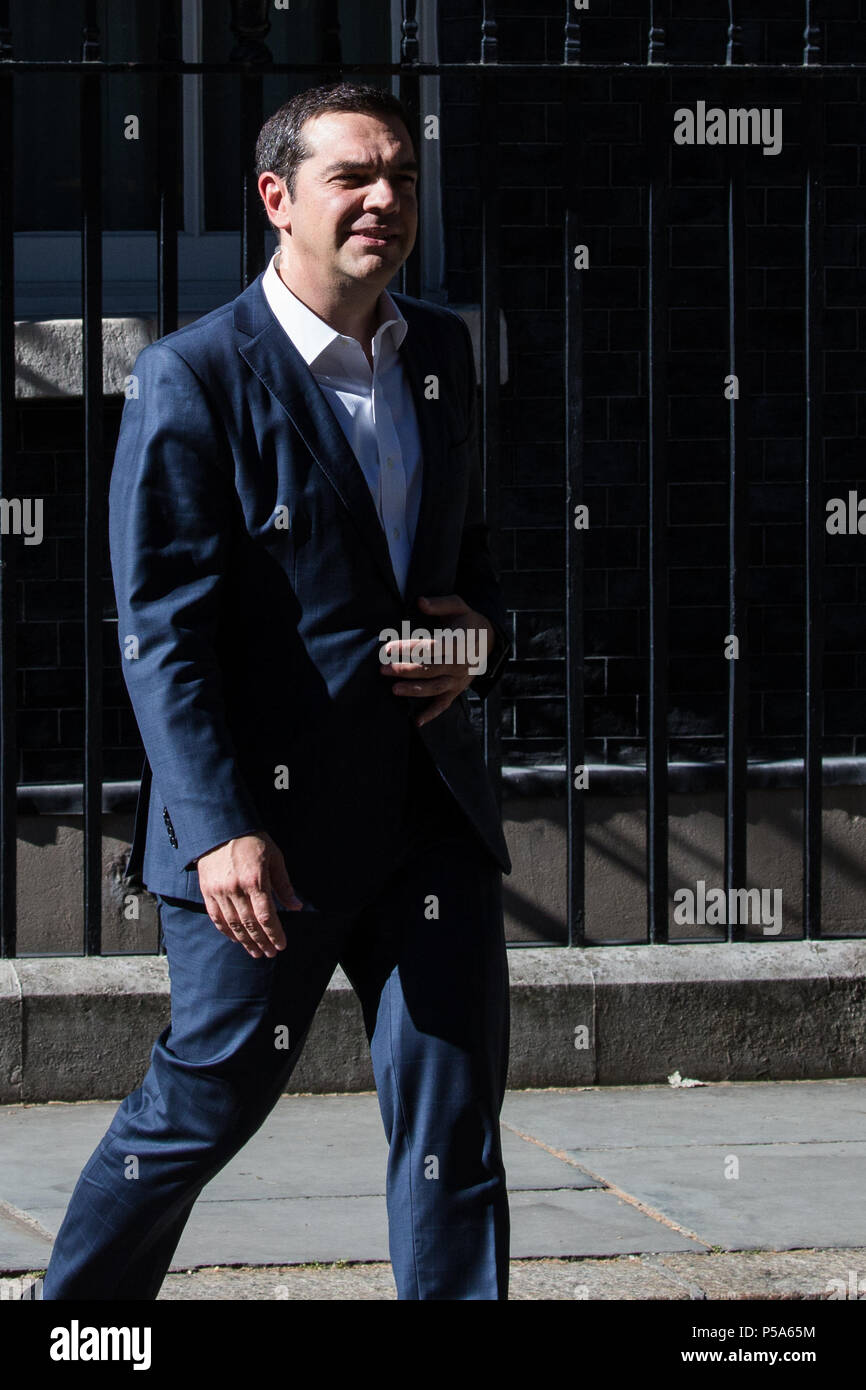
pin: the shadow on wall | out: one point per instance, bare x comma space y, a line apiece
536, 892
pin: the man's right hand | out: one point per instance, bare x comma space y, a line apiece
236, 881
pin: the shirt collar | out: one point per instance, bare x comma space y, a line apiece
310, 334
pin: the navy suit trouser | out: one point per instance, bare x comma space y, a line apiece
427, 960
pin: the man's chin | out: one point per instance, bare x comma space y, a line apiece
373, 264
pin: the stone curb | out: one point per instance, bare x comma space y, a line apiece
75, 1028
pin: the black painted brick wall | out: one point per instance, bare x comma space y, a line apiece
50, 605
613, 201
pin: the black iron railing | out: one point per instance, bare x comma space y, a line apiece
248, 63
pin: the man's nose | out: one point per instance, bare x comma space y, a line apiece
383, 194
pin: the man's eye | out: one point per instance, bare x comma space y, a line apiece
410, 179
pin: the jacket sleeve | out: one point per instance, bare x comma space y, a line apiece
478, 575
171, 508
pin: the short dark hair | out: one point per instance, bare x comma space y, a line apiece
280, 147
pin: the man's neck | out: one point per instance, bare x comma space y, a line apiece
355, 319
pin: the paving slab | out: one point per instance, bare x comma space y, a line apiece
336, 1145
593, 1172
21, 1246
723, 1112
780, 1196
43, 1149
308, 1146
585, 1223
284, 1231
356, 1228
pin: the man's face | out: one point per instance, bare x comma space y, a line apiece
355, 211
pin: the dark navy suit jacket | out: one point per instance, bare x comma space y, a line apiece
250, 651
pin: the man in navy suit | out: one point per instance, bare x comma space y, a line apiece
296, 487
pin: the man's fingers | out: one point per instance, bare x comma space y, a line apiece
280, 883
225, 920
411, 670
441, 685
253, 933
412, 653
239, 884
262, 908
236, 883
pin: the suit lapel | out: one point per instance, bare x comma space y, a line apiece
280, 367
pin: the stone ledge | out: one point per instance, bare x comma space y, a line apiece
49, 357
74, 1028
49, 354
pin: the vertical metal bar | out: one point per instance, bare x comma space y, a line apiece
734, 53
575, 756
409, 50
332, 41
489, 34
811, 37
488, 80
657, 486
168, 48
251, 228
192, 138
657, 38
572, 45
813, 320
409, 91
736, 750
8, 744
250, 25
94, 468
431, 248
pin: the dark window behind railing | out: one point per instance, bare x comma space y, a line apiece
676, 669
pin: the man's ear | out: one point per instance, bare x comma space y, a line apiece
283, 193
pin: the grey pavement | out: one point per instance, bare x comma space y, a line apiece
729, 1190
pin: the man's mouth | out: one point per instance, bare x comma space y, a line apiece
374, 237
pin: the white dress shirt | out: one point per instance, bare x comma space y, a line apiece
374, 408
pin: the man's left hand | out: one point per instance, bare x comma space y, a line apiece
417, 657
